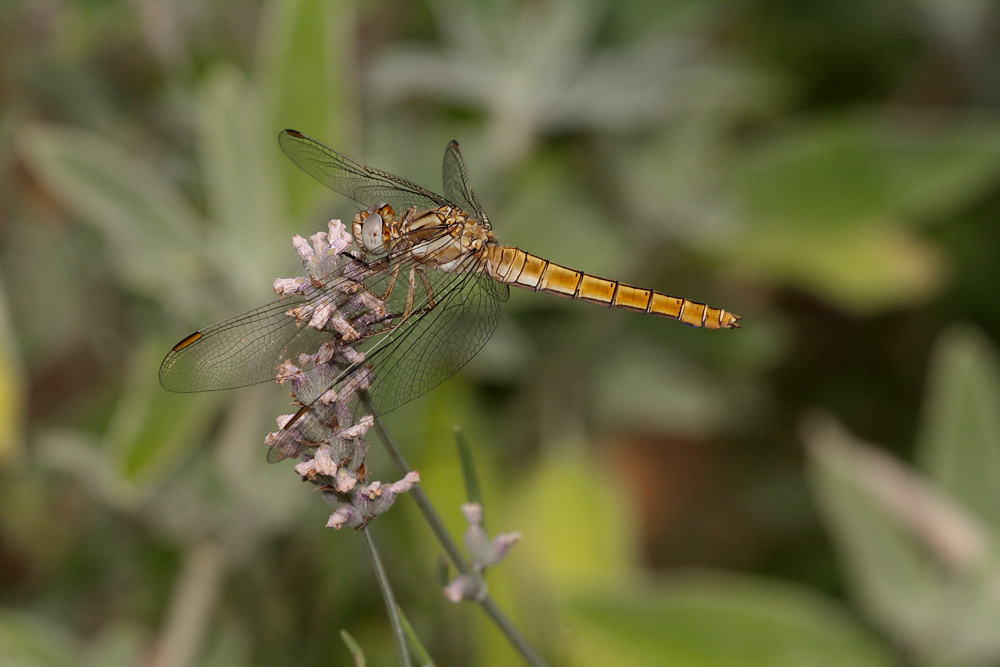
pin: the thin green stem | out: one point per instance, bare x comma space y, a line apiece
514, 635
398, 632
458, 560
423, 502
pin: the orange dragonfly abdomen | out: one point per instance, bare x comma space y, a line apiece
514, 266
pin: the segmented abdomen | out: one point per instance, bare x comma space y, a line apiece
517, 267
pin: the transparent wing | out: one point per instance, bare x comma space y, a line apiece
449, 321
365, 185
437, 321
456, 184
441, 335
248, 348
240, 351
436, 342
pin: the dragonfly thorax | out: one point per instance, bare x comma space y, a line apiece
440, 238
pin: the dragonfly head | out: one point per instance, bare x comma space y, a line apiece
370, 228
371, 234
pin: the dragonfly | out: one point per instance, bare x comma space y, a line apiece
436, 273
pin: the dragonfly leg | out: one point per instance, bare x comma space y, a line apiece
410, 303
392, 282
411, 297
427, 288
393, 316
411, 290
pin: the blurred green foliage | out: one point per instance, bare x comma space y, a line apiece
827, 170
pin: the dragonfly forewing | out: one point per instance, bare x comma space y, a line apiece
450, 318
456, 184
240, 351
365, 185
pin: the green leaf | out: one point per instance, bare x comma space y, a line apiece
856, 168
151, 228
305, 67
151, 427
240, 162
12, 384
714, 619
424, 428
860, 269
828, 202
6, 139
571, 232
960, 440
657, 387
473, 493
356, 651
934, 170
919, 564
151, 430
579, 531
413, 642
29, 641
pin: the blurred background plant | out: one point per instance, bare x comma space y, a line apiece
827, 170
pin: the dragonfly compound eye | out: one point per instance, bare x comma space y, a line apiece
371, 233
